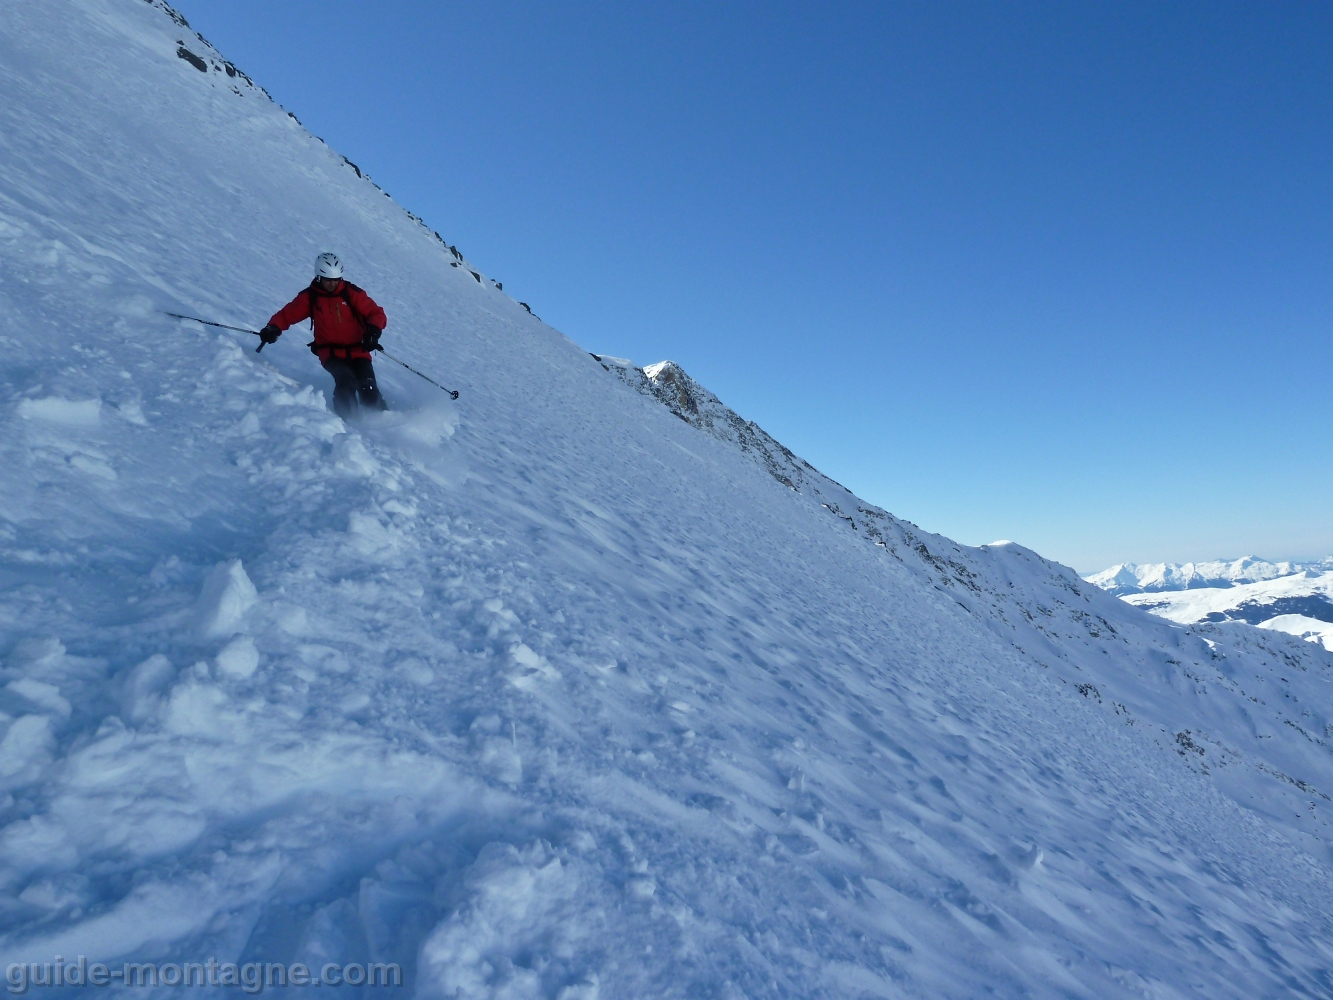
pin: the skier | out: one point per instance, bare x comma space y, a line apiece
347, 325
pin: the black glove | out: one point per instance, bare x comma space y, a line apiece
371, 339
270, 334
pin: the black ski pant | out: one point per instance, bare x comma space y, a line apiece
353, 378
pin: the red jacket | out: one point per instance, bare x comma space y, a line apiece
338, 329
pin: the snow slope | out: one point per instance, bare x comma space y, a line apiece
546, 693
1042, 609
1313, 629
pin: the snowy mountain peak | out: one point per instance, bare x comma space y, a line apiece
668, 383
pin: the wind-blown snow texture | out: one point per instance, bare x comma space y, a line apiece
545, 693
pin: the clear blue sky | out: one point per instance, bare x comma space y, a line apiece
1054, 272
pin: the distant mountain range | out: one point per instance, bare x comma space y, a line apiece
1291, 597
1152, 578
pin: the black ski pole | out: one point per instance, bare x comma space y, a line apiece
224, 326
451, 392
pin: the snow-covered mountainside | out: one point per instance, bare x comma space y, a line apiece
1152, 578
1301, 605
546, 692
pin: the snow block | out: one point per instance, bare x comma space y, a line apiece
141, 692
239, 658
227, 595
530, 666
25, 751
496, 752
516, 930
66, 412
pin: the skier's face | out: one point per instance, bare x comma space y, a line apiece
329, 283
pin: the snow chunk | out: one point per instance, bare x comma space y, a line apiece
496, 752
25, 750
131, 411
227, 595
239, 658
197, 708
521, 913
370, 537
532, 666
66, 412
141, 692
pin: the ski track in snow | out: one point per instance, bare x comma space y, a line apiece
544, 693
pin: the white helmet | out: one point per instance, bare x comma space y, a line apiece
327, 265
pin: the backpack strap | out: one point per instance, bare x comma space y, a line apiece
346, 297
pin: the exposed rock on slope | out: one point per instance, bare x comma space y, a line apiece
667, 382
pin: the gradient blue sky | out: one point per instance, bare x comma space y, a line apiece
1053, 272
